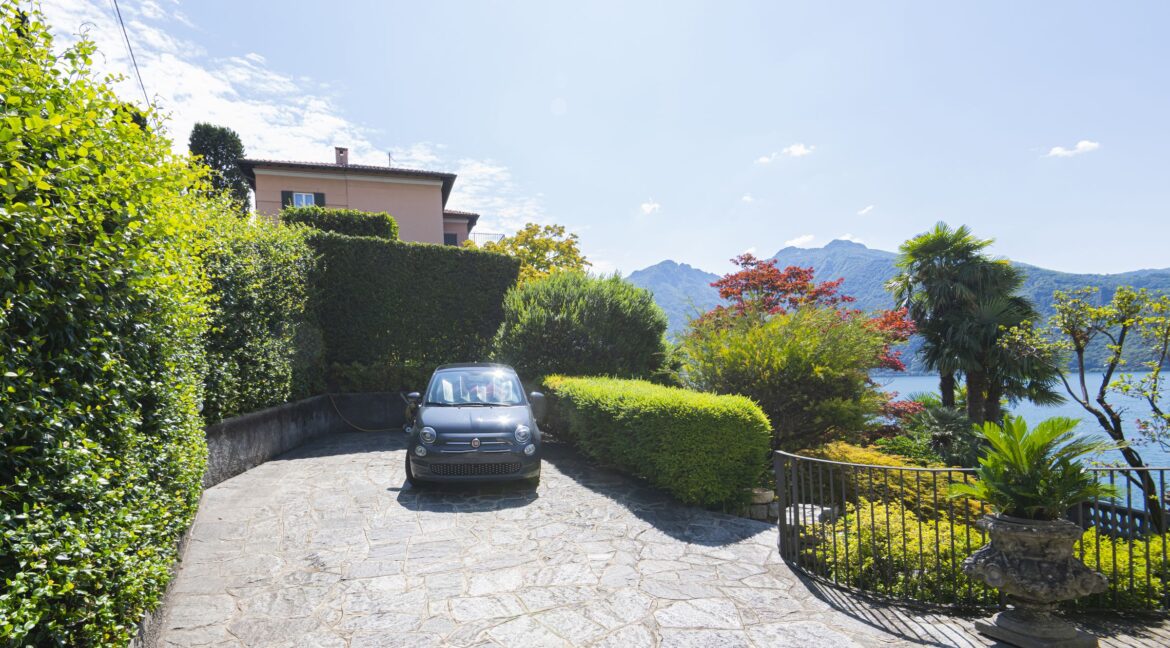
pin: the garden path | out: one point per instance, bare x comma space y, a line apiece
326, 547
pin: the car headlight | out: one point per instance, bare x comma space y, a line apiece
523, 434
428, 435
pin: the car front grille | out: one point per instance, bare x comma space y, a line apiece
474, 469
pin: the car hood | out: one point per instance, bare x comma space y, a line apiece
482, 420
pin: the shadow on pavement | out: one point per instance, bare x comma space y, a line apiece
668, 515
465, 497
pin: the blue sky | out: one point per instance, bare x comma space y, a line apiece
697, 131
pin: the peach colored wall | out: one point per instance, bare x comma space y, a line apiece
418, 208
457, 227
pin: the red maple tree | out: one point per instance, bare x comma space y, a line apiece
759, 288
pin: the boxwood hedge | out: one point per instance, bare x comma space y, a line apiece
389, 312
702, 448
343, 221
101, 319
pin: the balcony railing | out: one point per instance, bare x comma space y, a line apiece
479, 238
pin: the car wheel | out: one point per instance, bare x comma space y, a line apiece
410, 472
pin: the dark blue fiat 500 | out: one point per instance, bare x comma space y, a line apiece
474, 423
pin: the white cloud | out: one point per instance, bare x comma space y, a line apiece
751, 250
865, 210
278, 115
747, 198
650, 207
800, 241
1083, 146
792, 150
850, 237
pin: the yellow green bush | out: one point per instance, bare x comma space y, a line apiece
1138, 570
887, 549
702, 448
926, 493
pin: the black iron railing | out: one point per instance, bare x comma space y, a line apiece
894, 531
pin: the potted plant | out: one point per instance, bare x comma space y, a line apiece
1030, 479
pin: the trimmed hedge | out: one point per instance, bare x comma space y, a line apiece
571, 323
101, 360
259, 274
343, 221
390, 312
702, 448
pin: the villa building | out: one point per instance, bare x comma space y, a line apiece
416, 199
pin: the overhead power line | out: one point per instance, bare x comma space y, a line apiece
129, 48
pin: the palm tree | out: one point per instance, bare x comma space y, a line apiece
939, 268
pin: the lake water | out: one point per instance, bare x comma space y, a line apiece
1132, 408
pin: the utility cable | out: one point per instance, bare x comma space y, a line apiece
130, 49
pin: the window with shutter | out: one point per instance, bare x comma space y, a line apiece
319, 199
286, 198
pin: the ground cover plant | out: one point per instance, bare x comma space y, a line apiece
102, 318
702, 448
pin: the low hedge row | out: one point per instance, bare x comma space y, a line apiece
702, 448
389, 312
343, 221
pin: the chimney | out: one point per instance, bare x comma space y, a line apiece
390, 159
342, 155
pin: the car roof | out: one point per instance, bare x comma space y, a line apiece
472, 365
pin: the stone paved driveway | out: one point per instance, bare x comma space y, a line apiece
325, 547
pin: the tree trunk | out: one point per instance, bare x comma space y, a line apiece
946, 387
993, 407
976, 383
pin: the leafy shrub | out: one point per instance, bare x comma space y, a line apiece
571, 323
926, 493
389, 312
888, 549
350, 222
914, 445
259, 274
702, 448
101, 320
808, 370
1117, 558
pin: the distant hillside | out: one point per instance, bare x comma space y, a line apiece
682, 290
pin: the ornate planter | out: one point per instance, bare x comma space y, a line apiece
1031, 561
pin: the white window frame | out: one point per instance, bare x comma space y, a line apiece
299, 199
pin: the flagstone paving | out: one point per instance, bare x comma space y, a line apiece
326, 547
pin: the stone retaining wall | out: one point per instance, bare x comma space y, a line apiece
244, 442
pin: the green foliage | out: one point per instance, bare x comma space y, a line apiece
807, 369
259, 274
1144, 558
541, 251
1035, 474
895, 551
390, 312
702, 448
343, 221
924, 492
572, 323
939, 435
220, 149
101, 321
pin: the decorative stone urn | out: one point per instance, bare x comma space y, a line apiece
1031, 561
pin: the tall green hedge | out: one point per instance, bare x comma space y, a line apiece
101, 320
571, 323
259, 274
702, 448
343, 221
389, 312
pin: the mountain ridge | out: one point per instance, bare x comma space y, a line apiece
684, 291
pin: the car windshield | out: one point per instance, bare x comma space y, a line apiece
475, 386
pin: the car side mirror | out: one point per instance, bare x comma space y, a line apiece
538, 405
414, 397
